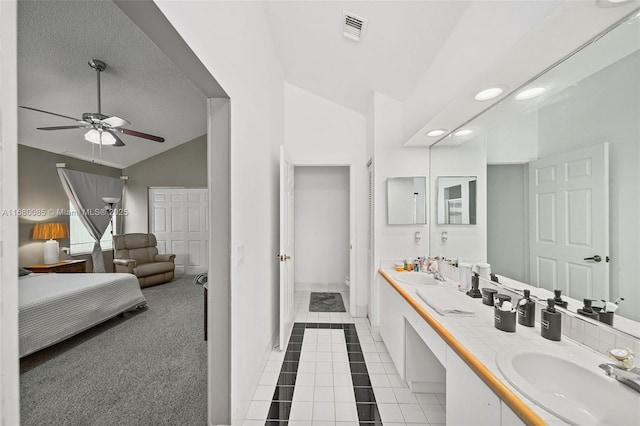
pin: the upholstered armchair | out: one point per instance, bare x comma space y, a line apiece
137, 254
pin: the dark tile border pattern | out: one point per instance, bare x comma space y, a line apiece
366, 405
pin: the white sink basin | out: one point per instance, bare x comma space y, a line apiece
575, 391
415, 278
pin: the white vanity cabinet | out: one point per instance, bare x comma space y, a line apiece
429, 364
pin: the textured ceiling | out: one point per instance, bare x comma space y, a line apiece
55, 41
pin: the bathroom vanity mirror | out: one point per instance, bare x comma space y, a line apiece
457, 200
406, 200
590, 99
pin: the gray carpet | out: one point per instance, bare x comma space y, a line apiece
326, 302
145, 368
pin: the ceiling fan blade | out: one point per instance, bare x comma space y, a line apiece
51, 113
118, 140
115, 121
140, 135
63, 127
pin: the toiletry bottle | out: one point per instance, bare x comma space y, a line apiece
416, 266
526, 310
551, 322
406, 266
558, 299
587, 310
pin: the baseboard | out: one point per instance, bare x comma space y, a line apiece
240, 411
361, 311
308, 286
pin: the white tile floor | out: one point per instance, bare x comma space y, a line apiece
323, 393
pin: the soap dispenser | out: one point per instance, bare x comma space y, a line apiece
474, 291
526, 310
587, 310
558, 299
551, 322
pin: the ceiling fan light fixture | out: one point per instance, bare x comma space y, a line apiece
99, 137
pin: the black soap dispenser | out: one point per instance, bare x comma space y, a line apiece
526, 310
587, 310
558, 299
551, 322
474, 291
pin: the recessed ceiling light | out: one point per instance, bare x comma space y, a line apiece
436, 132
489, 93
463, 132
530, 93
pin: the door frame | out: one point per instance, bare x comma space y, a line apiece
353, 253
9, 354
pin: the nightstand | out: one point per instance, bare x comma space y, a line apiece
62, 266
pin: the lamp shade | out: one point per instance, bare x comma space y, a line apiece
99, 137
111, 200
50, 231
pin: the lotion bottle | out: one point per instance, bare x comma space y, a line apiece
551, 322
526, 310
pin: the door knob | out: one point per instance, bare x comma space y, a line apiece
595, 258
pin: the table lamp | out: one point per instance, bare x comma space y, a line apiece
50, 232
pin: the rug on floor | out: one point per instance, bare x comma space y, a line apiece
326, 302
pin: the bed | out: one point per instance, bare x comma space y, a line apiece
54, 307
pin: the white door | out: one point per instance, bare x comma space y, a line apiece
569, 222
284, 257
196, 230
178, 217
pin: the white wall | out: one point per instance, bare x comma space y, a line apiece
321, 132
321, 225
246, 66
391, 159
467, 243
514, 139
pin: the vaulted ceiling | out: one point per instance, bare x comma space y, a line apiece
56, 39
429, 55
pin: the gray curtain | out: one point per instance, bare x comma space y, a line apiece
85, 192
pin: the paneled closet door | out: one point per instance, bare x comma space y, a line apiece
179, 219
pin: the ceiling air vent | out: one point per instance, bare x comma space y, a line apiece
354, 26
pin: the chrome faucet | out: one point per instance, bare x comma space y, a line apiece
630, 377
438, 276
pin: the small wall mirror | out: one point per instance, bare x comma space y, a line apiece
457, 200
407, 200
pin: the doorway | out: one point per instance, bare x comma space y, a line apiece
322, 230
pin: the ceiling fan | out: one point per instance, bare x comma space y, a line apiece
102, 128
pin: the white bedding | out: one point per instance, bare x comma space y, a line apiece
54, 307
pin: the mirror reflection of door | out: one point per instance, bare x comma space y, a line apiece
454, 211
457, 200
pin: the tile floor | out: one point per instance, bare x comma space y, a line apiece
325, 392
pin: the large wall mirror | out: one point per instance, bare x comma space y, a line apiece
563, 174
407, 200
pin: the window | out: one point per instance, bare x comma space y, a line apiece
81, 241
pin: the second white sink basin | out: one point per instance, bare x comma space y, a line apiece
416, 278
578, 393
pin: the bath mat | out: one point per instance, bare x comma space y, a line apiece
326, 302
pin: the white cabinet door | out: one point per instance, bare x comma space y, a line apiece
569, 214
178, 217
